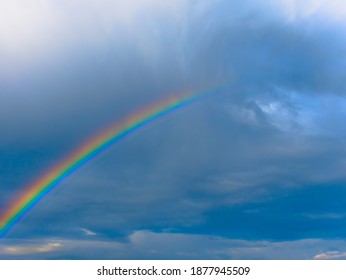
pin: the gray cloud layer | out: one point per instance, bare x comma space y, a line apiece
267, 151
149, 245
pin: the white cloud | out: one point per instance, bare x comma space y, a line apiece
17, 250
332, 255
279, 115
34, 26
88, 232
36, 32
26, 25
330, 9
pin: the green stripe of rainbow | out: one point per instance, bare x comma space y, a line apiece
97, 144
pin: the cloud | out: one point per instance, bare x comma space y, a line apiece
41, 25
18, 250
88, 232
263, 152
295, 9
332, 255
151, 245
326, 216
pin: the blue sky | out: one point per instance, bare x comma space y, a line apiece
256, 171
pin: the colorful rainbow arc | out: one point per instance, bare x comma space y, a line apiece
96, 145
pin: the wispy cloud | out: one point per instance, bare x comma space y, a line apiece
326, 216
88, 232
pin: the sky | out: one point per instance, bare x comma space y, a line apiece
255, 170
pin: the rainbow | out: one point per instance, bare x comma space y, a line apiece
89, 150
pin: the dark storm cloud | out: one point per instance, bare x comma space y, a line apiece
250, 155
